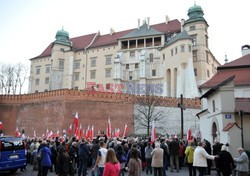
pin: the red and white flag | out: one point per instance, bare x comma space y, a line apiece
34, 134
47, 133
125, 131
153, 132
1, 125
57, 133
70, 130
189, 133
75, 123
117, 132
17, 133
92, 133
80, 132
109, 129
88, 132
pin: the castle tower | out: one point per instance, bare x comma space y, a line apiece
197, 26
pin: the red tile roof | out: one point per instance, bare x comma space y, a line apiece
241, 77
242, 104
242, 61
107, 39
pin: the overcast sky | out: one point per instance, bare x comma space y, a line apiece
27, 27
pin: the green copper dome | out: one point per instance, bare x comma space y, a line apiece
195, 12
62, 37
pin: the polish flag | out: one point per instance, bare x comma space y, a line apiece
17, 133
70, 130
47, 133
34, 134
189, 133
117, 132
57, 133
109, 129
76, 123
1, 125
153, 132
125, 131
80, 132
88, 132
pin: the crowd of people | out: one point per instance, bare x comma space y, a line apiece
115, 157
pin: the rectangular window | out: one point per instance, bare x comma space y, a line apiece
76, 64
195, 55
130, 75
37, 81
208, 74
172, 52
136, 65
192, 28
153, 72
47, 69
151, 57
132, 54
108, 73
61, 64
176, 50
127, 66
76, 76
38, 71
76, 88
108, 61
93, 62
207, 59
194, 41
189, 48
195, 71
182, 48
206, 41
92, 74
163, 56
47, 80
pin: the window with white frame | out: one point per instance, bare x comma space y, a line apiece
38, 70
37, 81
93, 62
47, 68
108, 61
182, 48
76, 76
61, 64
153, 72
47, 80
76, 64
108, 73
92, 74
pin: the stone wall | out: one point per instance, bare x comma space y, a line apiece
54, 110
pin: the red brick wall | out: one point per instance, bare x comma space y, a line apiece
54, 110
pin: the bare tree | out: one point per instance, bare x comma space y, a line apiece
145, 112
12, 78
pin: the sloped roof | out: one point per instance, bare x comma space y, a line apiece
229, 126
242, 104
242, 61
78, 43
182, 35
141, 32
107, 39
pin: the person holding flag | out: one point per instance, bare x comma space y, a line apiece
153, 132
75, 123
109, 129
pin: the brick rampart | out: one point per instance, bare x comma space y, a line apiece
54, 110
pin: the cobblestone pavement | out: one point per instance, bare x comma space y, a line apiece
30, 172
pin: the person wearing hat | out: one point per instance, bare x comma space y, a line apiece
225, 162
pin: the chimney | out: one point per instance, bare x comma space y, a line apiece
245, 50
139, 25
226, 60
167, 19
148, 23
112, 31
182, 23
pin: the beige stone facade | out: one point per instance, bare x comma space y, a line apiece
173, 56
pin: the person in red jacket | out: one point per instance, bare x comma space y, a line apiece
112, 165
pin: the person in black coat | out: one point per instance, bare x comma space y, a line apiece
83, 153
209, 151
225, 162
63, 163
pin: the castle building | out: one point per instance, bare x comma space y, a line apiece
166, 59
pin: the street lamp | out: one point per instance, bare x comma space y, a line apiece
181, 105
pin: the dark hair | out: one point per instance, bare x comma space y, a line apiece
134, 154
102, 143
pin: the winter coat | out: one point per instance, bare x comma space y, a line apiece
148, 151
190, 154
225, 162
83, 151
134, 167
174, 148
63, 163
111, 169
46, 155
201, 156
242, 163
157, 157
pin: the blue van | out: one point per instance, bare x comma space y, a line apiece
12, 154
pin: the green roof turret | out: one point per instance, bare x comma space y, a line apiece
62, 37
195, 13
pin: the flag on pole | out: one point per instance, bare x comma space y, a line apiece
34, 134
153, 132
80, 132
109, 129
57, 133
88, 132
189, 133
47, 133
125, 131
75, 123
70, 130
117, 132
17, 133
1, 125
